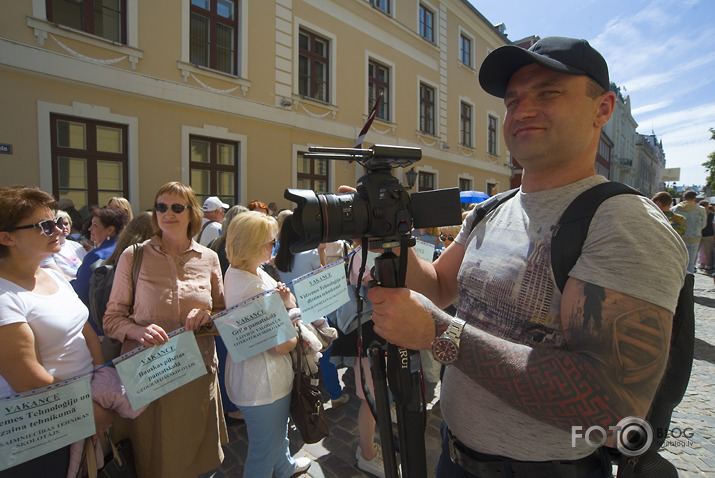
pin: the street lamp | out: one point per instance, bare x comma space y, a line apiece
411, 178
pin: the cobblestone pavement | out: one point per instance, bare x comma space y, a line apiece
694, 456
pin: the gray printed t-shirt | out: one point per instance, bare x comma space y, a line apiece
506, 288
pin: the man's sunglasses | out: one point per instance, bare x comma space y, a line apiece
162, 208
47, 227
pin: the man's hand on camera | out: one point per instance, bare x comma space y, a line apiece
406, 318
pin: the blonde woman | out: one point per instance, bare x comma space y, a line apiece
71, 253
179, 285
121, 203
260, 385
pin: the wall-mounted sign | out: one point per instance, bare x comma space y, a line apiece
5, 148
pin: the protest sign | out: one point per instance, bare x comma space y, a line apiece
424, 250
148, 373
321, 292
38, 422
254, 326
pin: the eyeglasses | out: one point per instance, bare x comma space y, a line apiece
162, 208
47, 227
446, 238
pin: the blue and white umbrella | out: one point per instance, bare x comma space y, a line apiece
473, 196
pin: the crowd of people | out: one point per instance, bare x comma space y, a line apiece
506, 348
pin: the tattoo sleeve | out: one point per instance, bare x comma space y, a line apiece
617, 347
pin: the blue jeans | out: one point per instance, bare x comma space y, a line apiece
268, 444
692, 247
330, 375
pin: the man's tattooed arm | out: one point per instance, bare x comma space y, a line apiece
617, 347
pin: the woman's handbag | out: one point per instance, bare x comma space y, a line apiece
306, 402
120, 464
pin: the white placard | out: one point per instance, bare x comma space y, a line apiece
38, 422
321, 292
424, 250
148, 373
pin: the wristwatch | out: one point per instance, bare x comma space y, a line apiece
445, 348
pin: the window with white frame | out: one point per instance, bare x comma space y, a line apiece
465, 184
107, 19
427, 109
313, 65
213, 168
383, 5
465, 128
465, 50
379, 82
425, 181
426, 23
492, 135
213, 35
313, 173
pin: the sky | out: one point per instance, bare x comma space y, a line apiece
660, 52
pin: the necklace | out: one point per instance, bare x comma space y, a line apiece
181, 261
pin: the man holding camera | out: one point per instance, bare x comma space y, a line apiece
527, 365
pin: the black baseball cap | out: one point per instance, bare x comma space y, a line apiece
561, 54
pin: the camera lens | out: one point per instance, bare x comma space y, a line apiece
323, 218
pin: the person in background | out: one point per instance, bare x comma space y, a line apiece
663, 200
91, 211
705, 254
44, 334
68, 260
696, 217
179, 285
107, 223
273, 209
214, 210
67, 205
259, 206
261, 385
121, 203
232, 414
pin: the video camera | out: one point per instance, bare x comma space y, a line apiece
381, 207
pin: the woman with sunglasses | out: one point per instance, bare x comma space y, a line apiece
260, 385
44, 334
179, 285
71, 253
107, 223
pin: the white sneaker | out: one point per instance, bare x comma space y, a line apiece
376, 466
301, 465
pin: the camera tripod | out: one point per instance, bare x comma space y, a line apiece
403, 369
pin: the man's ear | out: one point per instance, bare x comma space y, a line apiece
604, 110
7, 239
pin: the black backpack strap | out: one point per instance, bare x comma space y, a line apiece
571, 231
491, 204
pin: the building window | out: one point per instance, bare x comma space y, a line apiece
313, 63
383, 5
425, 181
313, 174
104, 18
492, 136
89, 160
213, 168
465, 132
465, 184
379, 82
465, 50
426, 109
426, 23
214, 35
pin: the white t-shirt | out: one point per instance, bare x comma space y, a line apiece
56, 321
210, 232
68, 259
263, 378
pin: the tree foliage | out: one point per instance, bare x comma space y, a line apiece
710, 165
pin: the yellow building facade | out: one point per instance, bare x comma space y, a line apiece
226, 95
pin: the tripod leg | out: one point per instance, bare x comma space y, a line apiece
382, 407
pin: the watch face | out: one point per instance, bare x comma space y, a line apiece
444, 350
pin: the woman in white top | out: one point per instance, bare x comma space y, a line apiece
44, 334
71, 253
261, 385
